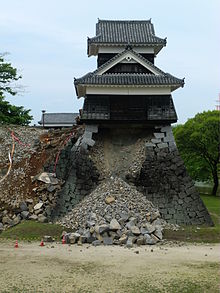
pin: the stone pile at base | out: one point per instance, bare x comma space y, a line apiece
114, 213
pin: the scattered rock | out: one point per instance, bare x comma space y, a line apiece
23, 206
109, 199
129, 243
25, 214
29, 201
48, 238
38, 206
114, 225
102, 229
96, 242
123, 239
140, 241
47, 178
135, 230
42, 219
6, 220
150, 228
158, 233
149, 240
107, 241
33, 217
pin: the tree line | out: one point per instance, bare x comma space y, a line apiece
10, 114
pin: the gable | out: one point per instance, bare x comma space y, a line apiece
128, 57
128, 67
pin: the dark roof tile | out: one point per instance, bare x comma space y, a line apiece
129, 79
125, 32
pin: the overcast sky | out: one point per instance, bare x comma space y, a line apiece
47, 42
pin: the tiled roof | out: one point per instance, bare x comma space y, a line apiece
125, 32
129, 79
59, 118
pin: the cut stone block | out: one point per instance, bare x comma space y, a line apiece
166, 129
155, 140
92, 128
88, 141
162, 145
87, 135
159, 135
168, 139
150, 144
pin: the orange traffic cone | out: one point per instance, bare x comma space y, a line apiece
16, 244
42, 243
63, 240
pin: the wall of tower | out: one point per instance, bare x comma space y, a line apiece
164, 181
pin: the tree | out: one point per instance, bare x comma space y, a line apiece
10, 114
198, 141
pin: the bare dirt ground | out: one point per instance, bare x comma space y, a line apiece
63, 268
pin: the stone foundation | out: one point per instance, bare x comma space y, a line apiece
164, 181
146, 158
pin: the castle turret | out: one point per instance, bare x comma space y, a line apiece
126, 87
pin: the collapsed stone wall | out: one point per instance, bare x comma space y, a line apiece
80, 176
160, 173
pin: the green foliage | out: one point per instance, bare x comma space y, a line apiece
198, 143
8, 74
10, 114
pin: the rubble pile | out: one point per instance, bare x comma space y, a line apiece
114, 213
38, 208
27, 193
25, 147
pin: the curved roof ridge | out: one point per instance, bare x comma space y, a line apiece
124, 20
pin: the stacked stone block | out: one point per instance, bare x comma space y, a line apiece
164, 180
80, 175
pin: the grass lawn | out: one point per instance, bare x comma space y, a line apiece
31, 230
200, 233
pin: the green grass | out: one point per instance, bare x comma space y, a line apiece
213, 205
200, 233
31, 230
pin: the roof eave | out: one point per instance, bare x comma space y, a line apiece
81, 88
176, 86
93, 47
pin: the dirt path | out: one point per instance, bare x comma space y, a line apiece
64, 268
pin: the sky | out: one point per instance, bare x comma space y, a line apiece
47, 42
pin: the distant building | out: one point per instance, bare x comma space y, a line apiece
57, 120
